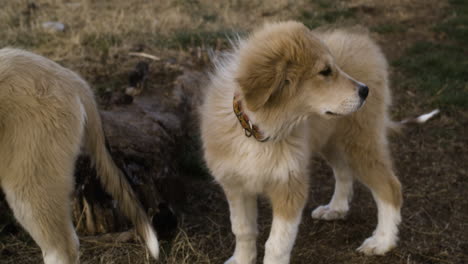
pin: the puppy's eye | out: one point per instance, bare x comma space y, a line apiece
326, 72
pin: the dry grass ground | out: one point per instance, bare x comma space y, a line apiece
425, 41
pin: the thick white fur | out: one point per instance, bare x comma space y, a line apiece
281, 240
386, 234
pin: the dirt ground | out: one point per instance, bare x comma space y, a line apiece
431, 160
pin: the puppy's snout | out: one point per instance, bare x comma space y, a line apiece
363, 91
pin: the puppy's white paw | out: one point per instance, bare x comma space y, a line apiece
324, 212
231, 260
377, 245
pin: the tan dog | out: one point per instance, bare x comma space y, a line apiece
46, 113
297, 93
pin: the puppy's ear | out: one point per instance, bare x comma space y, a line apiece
260, 80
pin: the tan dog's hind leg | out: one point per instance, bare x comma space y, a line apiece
47, 219
39, 149
373, 168
243, 208
338, 206
39, 192
288, 200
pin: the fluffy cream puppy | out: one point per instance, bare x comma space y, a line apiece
286, 93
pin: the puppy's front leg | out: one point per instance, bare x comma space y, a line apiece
288, 200
243, 208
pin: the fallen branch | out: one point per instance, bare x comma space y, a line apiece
144, 55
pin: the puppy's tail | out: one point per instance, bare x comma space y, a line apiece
113, 179
396, 126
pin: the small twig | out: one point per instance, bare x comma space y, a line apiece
81, 216
144, 55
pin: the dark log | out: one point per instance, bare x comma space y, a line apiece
153, 138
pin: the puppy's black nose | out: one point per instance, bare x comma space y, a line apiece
363, 91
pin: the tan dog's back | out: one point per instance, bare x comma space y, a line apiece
45, 113
41, 130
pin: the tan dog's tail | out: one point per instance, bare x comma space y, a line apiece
397, 125
113, 179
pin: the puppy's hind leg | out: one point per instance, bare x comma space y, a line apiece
375, 171
338, 206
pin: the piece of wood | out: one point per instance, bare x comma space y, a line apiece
147, 139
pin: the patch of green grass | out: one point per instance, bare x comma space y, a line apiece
336, 15
441, 70
23, 38
193, 39
186, 39
210, 17
456, 27
389, 28
306, 15
311, 22
325, 4
326, 16
102, 42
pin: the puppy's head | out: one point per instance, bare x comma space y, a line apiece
284, 65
